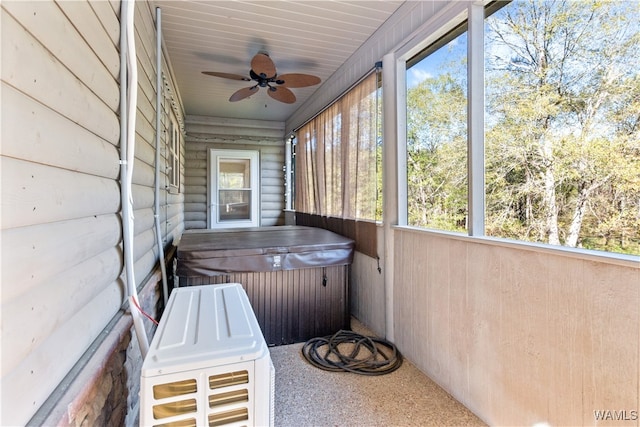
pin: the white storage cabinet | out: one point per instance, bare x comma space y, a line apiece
208, 363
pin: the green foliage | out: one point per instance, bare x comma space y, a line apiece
562, 129
436, 147
562, 106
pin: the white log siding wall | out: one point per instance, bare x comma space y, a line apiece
205, 133
62, 264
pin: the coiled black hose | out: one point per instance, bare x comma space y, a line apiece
367, 355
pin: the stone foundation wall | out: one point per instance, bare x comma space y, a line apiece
104, 390
105, 403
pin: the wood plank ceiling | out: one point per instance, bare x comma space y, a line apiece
311, 37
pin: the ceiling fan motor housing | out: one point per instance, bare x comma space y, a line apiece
262, 80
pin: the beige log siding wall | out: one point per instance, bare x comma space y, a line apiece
205, 133
62, 262
519, 335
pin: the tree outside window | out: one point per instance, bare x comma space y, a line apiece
437, 136
561, 125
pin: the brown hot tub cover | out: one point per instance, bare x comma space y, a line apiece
210, 253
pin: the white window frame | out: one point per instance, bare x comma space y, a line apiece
434, 29
214, 156
173, 154
439, 25
395, 104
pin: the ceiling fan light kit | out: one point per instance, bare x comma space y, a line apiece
263, 72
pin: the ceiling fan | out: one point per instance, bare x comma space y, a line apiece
263, 71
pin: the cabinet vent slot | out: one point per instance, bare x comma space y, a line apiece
228, 379
191, 422
178, 388
171, 409
228, 417
229, 397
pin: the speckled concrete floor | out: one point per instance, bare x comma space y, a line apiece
308, 396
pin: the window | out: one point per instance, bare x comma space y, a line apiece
233, 188
562, 124
437, 135
173, 158
560, 118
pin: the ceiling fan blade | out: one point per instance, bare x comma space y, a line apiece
227, 75
298, 80
263, 66
282, 94
243, 93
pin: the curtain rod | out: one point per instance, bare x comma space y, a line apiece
376, 67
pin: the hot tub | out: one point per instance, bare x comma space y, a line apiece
297, 278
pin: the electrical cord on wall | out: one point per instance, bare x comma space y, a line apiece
352, 352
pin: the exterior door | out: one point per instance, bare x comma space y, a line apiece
233, 188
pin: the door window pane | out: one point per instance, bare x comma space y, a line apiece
234, 204
234, 183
